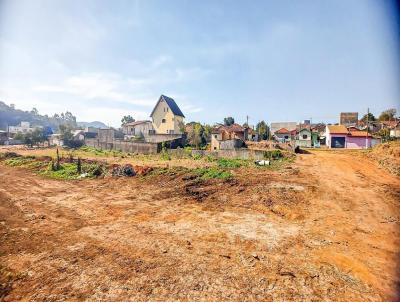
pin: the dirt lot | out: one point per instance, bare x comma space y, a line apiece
325, 228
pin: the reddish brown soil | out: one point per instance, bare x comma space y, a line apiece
327, 228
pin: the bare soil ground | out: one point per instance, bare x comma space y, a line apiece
325, 228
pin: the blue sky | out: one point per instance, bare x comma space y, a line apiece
271, 60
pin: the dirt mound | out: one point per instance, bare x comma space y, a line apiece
388, 156
7, 155
129, 170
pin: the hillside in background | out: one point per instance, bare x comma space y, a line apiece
9, 116
96, 124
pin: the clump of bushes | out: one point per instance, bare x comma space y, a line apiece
229, 163
273, 154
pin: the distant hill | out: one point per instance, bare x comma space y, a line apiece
96, 124
9, 116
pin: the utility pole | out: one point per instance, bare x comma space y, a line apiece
247, 120
366, 138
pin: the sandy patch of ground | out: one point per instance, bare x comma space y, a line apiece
326, 228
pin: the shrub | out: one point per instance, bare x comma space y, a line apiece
196, 156
229, 163
273, 154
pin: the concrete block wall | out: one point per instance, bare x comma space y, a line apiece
237, 153
124, 146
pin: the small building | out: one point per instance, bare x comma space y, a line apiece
279, 125
167, 117
55, 140
348, 118
358, 140
283, 135
228, 137
336, 136
395, 130
304, 138
23, 127
138, 129
91, 129
78, 135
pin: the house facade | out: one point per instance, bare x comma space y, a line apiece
338, 136
167, 117
228, 137
304, 138
358, 140
283, 135
138, 129
279, 125
23, 127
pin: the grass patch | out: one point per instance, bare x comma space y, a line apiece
18, 161
230, 163
69, 171
100, 152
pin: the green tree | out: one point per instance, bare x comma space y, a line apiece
66, 133
229, 121
37, 136
262, 130
182, 127
127, 119
368, 116
196, 135
207, 133
387, 115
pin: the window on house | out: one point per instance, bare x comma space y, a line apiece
171, 131
215, 135
286, 137
163, 120
215, 148
304, 136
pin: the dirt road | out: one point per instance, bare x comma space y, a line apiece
326, 228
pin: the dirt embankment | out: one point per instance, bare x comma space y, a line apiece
325, 228
388, 156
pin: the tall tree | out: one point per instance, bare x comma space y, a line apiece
370, 117
127, 119
229, 121
387, 115
262, 130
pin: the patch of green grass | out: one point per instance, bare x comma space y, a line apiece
18, 161
212, 173
231, 163
70, 171
196, 156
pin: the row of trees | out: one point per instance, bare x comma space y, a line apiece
387, 115
199, 135
9, 115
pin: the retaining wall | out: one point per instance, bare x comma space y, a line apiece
237, 153
124, 146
